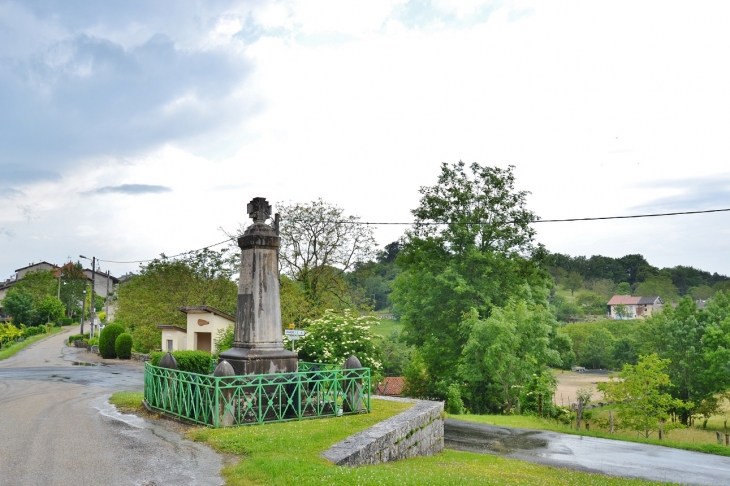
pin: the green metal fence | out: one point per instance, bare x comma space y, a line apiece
255, 399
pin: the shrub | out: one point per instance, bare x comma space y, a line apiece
32, 331
334, 337
65, 321
123, 346
192, 361
107, 338
93, 341
77, 337
454, 403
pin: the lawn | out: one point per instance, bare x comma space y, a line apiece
691, 438
386, 327
14, 348
288, 453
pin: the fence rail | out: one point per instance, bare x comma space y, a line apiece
318, 391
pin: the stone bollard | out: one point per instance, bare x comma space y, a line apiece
353, 403
168, 393
226, 411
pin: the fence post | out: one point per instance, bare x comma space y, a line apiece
610, 421
719, 437
661, 430
223, 417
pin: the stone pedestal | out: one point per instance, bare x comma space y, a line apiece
257, 340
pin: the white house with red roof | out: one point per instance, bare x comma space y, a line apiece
636, 306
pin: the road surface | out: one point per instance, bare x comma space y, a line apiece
590, 454
57, 427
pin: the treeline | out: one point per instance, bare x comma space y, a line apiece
580, 271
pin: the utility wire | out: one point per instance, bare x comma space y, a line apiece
601, 218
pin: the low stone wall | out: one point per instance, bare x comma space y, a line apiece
140, 357
419, 431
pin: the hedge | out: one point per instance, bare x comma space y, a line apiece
65, 321
123, 346
192, 361
107, 338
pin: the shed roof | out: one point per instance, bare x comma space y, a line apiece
203, 309
171, 327
649, 300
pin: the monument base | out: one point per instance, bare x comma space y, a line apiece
252, 361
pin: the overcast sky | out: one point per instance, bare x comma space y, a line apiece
128, 129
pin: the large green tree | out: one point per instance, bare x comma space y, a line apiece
19, 304
505, 351
73, 283
640, 394
153, 296
660, 285
471, 247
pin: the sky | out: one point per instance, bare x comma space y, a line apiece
131, 129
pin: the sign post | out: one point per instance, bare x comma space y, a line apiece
294, 335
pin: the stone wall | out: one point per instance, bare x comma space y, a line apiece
419, 431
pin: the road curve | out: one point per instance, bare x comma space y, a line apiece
590, 454
57, 427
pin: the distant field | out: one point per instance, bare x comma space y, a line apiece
569, 382
386, 327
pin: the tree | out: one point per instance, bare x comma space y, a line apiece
73, 283
573, 282
591, 303
660, 285
49, 309
18, 303
597, 353
622, 311
471, 247
507, 349
39, 284
703, 292
319, 242
624, 288
153, 296
640, 396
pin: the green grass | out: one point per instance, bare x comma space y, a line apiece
127, 401
288, 453
13, 349
386, 327
691, 439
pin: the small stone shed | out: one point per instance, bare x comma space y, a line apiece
203, 324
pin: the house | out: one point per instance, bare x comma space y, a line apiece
203, 324
636, 306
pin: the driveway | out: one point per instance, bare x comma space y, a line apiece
590, 454
57, 427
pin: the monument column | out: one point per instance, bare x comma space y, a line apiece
257, 338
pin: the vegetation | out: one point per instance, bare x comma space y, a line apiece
334, 337
462, 268
123, 345
107, 340
191, 361
639, 397
10, 348
153, 297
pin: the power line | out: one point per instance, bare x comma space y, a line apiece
171, 256
548, 220
600, 218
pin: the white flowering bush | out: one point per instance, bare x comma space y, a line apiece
334, 337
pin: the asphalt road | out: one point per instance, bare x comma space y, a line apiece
605, 456
57, 427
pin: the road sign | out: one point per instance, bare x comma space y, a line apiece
295, 332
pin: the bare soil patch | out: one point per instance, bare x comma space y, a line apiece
569, 382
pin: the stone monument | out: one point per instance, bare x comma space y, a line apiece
257, 338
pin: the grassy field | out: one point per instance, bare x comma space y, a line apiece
386, 327
691, 438
13, 349
288, 453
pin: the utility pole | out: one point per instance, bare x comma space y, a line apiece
92, 307
83, 307
107, 296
